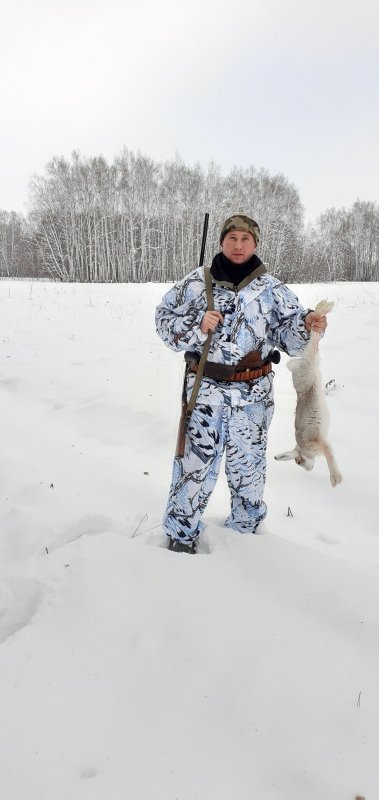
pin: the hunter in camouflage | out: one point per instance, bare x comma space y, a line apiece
253, 314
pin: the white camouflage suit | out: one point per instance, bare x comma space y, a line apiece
230, 416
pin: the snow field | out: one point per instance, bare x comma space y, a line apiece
127, 671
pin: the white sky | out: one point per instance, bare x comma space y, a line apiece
285, 84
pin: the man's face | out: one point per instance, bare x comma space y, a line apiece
238, 246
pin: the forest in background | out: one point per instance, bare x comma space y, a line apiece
137, 220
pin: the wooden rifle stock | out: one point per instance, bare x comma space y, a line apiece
181, 438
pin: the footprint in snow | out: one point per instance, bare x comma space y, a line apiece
328, 538
88, 773
90, 525
12, 384
19, 601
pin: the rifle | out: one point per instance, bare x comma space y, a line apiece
187, 408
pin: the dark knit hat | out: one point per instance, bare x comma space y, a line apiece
240, 223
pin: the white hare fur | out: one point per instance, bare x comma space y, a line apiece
312, 414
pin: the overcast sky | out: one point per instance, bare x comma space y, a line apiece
288, 85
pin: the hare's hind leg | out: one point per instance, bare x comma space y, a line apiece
326, 450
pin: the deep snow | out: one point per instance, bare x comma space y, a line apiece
129, 672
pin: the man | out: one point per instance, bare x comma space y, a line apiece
253, 313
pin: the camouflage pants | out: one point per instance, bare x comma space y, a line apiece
242, 433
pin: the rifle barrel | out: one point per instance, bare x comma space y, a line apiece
204, 239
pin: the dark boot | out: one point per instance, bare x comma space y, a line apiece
182, 547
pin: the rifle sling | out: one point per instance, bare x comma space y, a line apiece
203, 357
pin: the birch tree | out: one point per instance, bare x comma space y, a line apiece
141, 220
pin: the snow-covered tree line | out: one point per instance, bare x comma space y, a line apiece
139, 220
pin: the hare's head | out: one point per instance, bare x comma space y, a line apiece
307, 462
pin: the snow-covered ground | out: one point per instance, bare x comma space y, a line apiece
131, 673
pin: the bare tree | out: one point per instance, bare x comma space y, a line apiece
141, 220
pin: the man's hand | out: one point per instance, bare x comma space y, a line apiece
315, 322
210, 321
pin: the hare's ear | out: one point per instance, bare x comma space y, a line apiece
288, 456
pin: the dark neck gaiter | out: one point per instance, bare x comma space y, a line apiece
223, 269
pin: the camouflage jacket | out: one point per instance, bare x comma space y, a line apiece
261, 316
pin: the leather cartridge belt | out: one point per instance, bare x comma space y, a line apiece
228, 372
